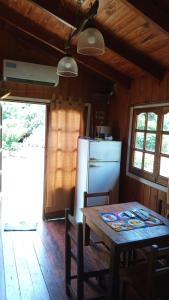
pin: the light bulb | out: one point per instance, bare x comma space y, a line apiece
91, 40
67, 65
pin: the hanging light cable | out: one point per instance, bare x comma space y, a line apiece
90, 42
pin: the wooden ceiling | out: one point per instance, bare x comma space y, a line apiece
136, 33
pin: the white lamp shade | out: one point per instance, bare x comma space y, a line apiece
67, 67
90, 42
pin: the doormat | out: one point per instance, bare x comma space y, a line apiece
20, 226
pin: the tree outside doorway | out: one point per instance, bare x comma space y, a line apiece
23, 140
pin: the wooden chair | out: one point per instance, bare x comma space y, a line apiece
83, 263
149, 280
90, 200
141, 255
89, 236
162, 207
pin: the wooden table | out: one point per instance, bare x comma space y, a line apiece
123, 240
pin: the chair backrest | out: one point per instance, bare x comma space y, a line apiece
91, 199
158, 272
73, 249
90, 261
162, 207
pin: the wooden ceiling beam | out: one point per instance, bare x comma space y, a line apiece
68, 12
152, 11
44, 53
51, 31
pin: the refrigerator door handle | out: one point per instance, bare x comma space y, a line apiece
94, 166
96, 159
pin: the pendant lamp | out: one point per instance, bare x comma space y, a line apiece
90, 42
67, 67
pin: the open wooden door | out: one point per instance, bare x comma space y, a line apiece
64, 126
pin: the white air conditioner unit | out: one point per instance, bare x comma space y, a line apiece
29, 73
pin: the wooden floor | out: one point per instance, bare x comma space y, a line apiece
32, 263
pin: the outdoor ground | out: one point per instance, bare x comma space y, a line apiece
22, 184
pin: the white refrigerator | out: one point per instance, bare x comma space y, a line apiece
98, 170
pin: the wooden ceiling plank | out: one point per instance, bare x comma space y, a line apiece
153, 12
19, 17
67, 12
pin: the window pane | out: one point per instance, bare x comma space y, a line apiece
141, 120
164, 166
148, 162
139, 142
165, 144
137, 162
152, 121
150, 141
166, 122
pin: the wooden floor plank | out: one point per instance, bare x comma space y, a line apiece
2, 272
53, 242
35, 269
40, 289
54, 280
37, 260
11, 276
25, 282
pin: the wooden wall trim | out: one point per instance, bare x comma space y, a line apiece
28, 99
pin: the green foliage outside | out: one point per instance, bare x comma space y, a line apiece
19, 122
150, 141
145, 121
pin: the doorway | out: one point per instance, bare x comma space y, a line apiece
23, 152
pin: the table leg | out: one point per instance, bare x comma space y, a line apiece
114, 279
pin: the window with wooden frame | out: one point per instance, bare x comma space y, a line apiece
149, 148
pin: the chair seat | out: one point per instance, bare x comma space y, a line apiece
96, 257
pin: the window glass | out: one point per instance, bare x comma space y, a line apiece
137, 162
139, 141
152, 121
165, 144
149, 162
166, 122
141, 121
164, 166
150, 141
